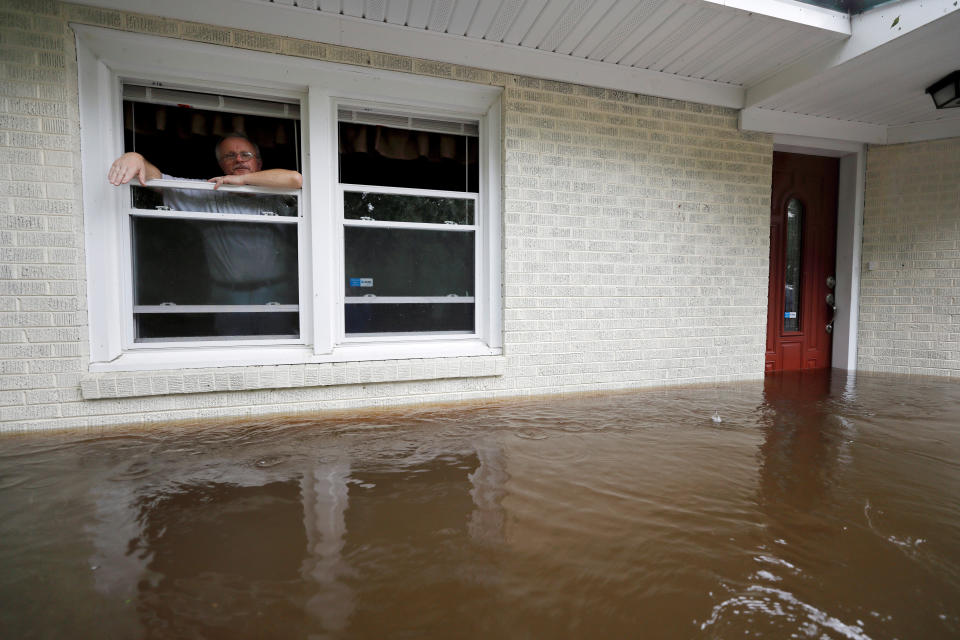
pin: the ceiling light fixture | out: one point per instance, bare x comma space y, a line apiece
946, 91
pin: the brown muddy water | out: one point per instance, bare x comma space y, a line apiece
819, 506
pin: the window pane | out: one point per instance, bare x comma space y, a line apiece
398, 262
181, 141
791, 298
409, 318
397, 208
215, 326
389, 157
408, 264
210, 201
201, 262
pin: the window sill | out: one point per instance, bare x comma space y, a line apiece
196, 357
131, 384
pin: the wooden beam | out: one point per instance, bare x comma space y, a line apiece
769, 121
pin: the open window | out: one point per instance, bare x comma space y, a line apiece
211, 264
391, 249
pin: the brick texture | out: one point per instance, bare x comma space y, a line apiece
635, 251
43, 340
910, 300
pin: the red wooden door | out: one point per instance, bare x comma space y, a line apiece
803, 224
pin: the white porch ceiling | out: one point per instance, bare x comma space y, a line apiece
792, 68
687, 38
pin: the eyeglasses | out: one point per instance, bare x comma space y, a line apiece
243, 155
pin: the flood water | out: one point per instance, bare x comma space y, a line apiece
818, 506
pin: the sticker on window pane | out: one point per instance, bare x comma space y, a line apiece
361, 282
196, 279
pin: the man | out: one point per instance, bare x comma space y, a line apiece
249, 264
237, 156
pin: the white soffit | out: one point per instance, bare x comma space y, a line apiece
870, 86
793, 68
706, 51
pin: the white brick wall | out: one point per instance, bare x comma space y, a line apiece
636, 247
910, 301
636, 240
42, 317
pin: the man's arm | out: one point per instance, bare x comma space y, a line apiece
282, 178
131, 165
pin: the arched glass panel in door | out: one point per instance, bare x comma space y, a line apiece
793, 267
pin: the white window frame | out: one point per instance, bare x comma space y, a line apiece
107, 57
343, 223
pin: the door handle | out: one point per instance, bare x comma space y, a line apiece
831, 301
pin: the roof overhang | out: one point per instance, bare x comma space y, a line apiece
791, 67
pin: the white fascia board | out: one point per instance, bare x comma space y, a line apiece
318, 26
770, 121
868, 31
919, 131
792, 11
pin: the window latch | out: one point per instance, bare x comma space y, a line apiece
367, 218
450, 222
162, 207
168, 304
268, 213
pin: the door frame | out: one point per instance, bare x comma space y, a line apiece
853, 163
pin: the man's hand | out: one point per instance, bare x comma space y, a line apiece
280, 178
234, 180
129, 165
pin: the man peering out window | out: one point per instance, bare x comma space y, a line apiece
228, 276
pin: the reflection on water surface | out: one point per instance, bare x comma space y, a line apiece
821, 506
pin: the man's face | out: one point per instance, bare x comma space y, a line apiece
230, 160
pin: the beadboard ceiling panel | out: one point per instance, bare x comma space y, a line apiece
720, 41
687, 38
772, 59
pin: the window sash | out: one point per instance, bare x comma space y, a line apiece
133, 310
374, 299
478, 273
405, 191
203, 185
216, 308
213, 217
343, 188
162, 184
